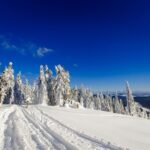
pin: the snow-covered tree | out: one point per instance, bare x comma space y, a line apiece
7, 85
75, 94
92, 103
101, 99
35, 93
62, 86
27, 92
88, 98
3, 87
81, 102
10, 76
18, 90
117, 105
122, 107
97, 102
82, 95
130, 100
108, 102
42, 89
49, 84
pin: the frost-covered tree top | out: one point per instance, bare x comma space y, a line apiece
19, 80
129, 92
130, 98
48, 73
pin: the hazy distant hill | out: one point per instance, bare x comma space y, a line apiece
143, 100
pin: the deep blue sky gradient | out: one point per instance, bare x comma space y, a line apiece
102, 43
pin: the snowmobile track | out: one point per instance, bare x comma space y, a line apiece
57, 141
92, 142
33, 129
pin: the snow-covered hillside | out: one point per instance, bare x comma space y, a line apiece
47, 127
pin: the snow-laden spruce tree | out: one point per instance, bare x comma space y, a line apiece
62, 86
117, 105
82, 95
66, 79
42, 88
59, 88
27, 92
97, 102
88, 98
75, 94
3, 87
18, 90
131, 106
107, 102
92, 103
49, 85
102, 101
10, 76
35, 93
110, 101
7, 85
122, 107
81, 101
100, 98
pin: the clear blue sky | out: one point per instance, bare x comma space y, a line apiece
102, 43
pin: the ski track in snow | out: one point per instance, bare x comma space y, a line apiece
32, 129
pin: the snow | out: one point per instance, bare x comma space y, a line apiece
51, 127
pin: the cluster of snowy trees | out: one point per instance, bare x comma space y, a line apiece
47, 90
50, 90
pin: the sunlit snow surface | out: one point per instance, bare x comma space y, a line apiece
47, 128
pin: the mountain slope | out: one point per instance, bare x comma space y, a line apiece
41, 127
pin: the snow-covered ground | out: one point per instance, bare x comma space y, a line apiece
46, 128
